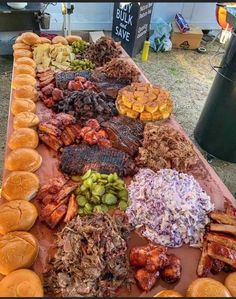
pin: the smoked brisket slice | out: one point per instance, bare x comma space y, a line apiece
124, 133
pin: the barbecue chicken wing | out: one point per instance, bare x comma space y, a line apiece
172, 272
138, 256
146, 280
157, 259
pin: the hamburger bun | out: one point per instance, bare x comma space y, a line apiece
168, 293
24, 69
23, 79
17, 250
207, 287
23, 159
44, 40
20, 185
17, 215
21, 46
25, 120
59, 40
27, 61
18, 39
23, 137
22, 53
22, 105
230, 283
30, 38
21, 283
72, 38
26, 91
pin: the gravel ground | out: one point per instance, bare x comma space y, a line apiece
186, 74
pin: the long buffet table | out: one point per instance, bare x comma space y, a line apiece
204, 174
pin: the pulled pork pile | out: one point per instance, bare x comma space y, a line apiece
102, 51
119, 68
165, 147
92, 257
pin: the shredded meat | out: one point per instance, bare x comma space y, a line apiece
121, 69
92, 257
164, 147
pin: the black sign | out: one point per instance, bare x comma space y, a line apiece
131, 23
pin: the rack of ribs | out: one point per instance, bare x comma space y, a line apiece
76, 160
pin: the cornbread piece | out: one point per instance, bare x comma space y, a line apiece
147, 102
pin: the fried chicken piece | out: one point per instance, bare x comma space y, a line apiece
138, 256
172, 273
217, 266
146, 280
205, 262
157, 260
72, 209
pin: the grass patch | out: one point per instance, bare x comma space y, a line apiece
174, 71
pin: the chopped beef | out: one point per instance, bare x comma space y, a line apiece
91, 258
87, 104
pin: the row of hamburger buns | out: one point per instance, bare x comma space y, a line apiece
206, 287
18, 247
23, 159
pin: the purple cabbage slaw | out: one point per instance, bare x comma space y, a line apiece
169, 207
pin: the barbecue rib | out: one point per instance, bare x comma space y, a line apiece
76, 160
205, 262
222, 217
124, 133
222, 240
223, 228
222, 253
